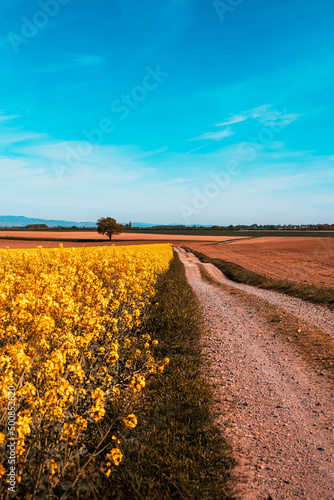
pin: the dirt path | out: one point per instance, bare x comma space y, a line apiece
318, 316
277, 411
306, 260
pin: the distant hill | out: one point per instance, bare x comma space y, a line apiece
20, 221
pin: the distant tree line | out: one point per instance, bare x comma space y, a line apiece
241, 227
129, 226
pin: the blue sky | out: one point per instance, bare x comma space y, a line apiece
186, 111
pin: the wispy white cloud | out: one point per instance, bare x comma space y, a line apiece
281, 119
16, 137
214, 135
267, 114
232, 120
259, 111
153, 152
5, 118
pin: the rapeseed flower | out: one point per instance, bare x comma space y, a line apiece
131, 421
70, 343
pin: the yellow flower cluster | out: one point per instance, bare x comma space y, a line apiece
116, 456
131, 421
70, 340
137, 383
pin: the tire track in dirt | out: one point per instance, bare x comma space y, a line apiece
276, 410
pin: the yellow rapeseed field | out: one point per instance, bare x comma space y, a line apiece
71, 348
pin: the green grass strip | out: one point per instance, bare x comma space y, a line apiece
176, 451
317, 295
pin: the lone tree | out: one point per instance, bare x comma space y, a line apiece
109, 226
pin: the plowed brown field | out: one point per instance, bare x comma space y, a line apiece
306, 260
30, 240
93, 235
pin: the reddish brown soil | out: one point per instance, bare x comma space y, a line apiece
92, 235
121, 239
308, 260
